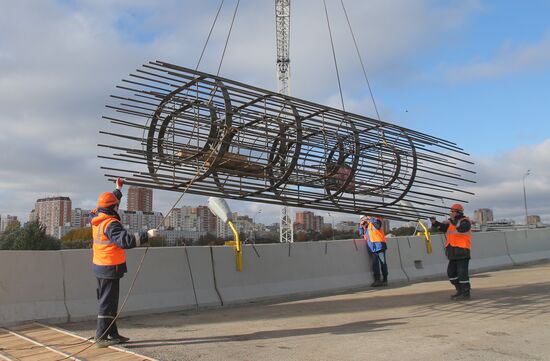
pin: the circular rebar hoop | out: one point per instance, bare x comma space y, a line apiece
242, 142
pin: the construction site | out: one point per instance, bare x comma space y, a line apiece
184, 131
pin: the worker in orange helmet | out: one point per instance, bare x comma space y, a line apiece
109, 261
458, 232
372, 231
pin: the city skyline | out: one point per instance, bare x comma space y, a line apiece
454, 69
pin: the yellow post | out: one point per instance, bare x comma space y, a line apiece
238, 249
427, 237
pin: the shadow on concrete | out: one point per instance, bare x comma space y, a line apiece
347, 328
526, 301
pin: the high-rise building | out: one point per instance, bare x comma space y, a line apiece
307, 221
137, 220
483, 215
6, 221
533, 219
80, 218
207, 221
140, 199
53, 212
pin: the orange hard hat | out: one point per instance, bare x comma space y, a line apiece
107, 200
457, 207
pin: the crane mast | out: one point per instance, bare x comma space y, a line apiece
282, 25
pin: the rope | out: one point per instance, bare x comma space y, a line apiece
334, 57
183, 192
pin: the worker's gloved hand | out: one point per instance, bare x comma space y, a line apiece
152, 233
119, 183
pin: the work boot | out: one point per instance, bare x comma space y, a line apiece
102, 343
376, 283
119, 338
458, 293
465, 295
384, 282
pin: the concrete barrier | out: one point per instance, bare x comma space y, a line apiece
528, 245
275, 270
31, 286
489, 251
200, 260
80, 284
164, 282
60, 285
416, 262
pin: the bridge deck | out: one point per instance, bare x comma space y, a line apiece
506, 319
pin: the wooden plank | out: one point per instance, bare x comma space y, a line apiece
38, 342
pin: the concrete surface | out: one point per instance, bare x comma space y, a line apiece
508, 318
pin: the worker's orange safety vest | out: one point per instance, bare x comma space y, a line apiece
376, 235
106, 252
456, 239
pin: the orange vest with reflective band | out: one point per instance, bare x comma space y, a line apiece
376, 235
456, 239
106, 252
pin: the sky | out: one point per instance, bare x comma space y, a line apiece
473, 72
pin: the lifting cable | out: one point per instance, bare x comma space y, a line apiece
334, 58
183, 192
381, 131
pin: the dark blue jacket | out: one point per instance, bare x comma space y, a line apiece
121, 237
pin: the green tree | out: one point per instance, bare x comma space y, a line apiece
403, 231
31, 237
77, 238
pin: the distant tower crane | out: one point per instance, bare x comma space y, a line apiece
282, 25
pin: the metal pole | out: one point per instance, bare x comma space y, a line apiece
525, 196
332, 224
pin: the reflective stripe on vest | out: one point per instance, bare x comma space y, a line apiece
106, 252
376, 235
457, 239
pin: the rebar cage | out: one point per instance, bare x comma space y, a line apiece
179, 129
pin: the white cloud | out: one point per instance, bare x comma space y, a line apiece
59, 61
510, 60
500, 182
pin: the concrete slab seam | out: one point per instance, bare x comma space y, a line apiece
508, 248
64, 287
192, 279
214, 275
401, 261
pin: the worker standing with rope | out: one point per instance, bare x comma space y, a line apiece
109, 261
458, 231
371, 230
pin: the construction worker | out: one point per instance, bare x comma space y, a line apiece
458, 232
371, 230
109, 261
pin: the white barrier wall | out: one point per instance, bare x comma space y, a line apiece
60, 285
417, 263
489, 251
31, 286
275, 270
528, 245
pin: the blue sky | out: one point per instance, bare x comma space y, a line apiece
475, 72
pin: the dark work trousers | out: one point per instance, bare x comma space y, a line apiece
379, 262
107, 295
457, 270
